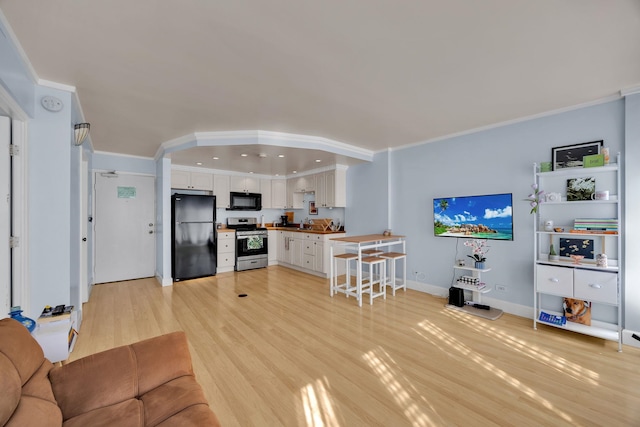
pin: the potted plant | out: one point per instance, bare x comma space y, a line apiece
479, 249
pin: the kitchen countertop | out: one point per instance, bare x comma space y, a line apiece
295, 229
304, 230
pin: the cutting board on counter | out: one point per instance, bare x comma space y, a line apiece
321, 224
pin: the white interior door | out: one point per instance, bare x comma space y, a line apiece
124, 227
5, 218
84, 215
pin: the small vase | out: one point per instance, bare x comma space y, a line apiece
480, 265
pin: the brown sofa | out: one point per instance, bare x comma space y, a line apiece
149, 383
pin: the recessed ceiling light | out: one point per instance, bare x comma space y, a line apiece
215, 158
318, 160
281, 155
199, 163
250, 172
295, 171
244, 155
262, 155
277, 174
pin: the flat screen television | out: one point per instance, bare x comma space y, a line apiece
487, 216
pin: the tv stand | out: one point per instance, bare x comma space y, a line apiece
476, 291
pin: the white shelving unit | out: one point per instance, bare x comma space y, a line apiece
554, 279
476, 293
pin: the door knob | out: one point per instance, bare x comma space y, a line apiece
84, 239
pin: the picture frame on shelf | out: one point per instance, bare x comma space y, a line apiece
579, 189
572, 156
582, 247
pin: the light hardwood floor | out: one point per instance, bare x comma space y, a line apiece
290, 355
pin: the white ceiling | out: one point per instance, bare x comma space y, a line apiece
371, 74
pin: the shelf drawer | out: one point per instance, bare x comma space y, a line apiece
596, 286
554, 280
226, 260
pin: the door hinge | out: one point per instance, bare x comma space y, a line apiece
14, 150
14, 242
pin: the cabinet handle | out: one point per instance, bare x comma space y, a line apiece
554, 279
595, 286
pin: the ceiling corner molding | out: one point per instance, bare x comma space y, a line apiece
56, 85
261, 137
633, 90
8, 31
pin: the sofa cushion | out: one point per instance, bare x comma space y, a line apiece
11, 389
171, 398
124, 414
196, 416
20, 347
95, 381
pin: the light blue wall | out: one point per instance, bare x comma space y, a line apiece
49, 201
367, 197
498, 160
120, 163
632, 213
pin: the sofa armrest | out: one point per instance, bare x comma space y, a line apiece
121, 373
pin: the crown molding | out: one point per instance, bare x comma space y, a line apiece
604, 100
56, 85
632, 90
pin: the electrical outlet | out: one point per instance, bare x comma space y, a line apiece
501, 288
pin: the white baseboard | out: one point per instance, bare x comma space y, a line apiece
164, 281
628, 339
507, 307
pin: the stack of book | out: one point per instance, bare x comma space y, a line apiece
595, 225
53, 314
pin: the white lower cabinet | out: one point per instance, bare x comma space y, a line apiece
304, 251
598, 288
272, 236
226, 251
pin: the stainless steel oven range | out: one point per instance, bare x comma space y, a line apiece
251, 243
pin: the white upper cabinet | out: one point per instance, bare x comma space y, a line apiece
278, 194
331, 189
221, 190
265, 190
191, 180
245, 184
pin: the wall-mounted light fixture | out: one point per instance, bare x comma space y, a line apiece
81, 131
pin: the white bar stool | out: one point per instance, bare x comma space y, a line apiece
393, 281
346, 287
381, 263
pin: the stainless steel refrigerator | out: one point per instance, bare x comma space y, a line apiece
194, 236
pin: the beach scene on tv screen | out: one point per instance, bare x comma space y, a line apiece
478, 217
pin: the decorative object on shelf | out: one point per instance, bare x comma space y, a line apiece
553, 197
535, 198
593, 161
605, 154
600, 195
545, 166
580, 189
577, 258
601, 260
558, 229
553, 256
577, 311
571, 156
552, 318
479, 249
548, 225
460, 263
582, 247
16, 314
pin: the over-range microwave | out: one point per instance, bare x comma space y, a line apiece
245, 201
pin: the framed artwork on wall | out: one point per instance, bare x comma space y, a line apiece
571, 156
312, 208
